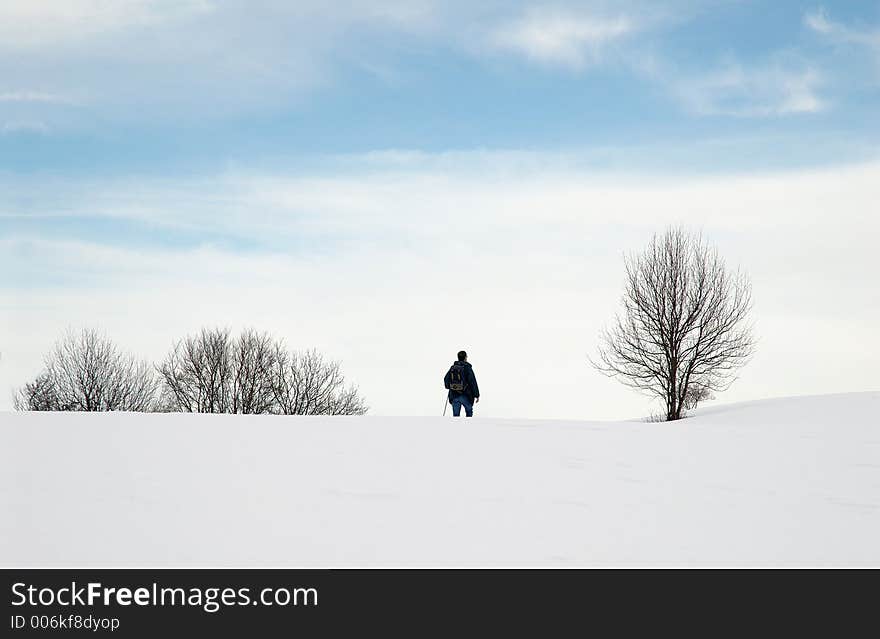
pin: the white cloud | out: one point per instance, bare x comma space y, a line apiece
862, 40
25, 126
561, 37
183, 59
175, 60
36, 96
576, 40
819, 22
33, 112
734, 90
194, 59
35, 23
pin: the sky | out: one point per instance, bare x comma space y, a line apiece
391, 182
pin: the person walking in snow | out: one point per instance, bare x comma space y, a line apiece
462, 385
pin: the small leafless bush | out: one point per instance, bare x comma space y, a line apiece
307, 384
87, 372
696, 395
212, 372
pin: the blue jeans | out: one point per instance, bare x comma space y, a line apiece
461, 400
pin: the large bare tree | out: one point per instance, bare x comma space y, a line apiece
213, 372
85, 371
684, 328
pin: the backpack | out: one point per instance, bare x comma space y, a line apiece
456, 378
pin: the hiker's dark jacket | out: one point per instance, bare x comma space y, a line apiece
471, 390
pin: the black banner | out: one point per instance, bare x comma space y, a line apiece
225, 602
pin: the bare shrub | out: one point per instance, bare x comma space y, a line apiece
253, 357
38, 395
307, 384
684, 329
212, 372
695, 395
87, 372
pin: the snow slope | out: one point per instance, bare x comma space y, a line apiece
779, 482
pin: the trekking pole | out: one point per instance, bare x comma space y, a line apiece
445, 404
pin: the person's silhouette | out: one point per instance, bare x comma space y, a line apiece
462, 385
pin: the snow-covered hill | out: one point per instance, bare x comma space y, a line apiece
790, 481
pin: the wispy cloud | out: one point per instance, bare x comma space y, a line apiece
173, 60
862, 39
575, 39
25, 126
35, 23
763, 91
561, 37
819, 22
403, 199
43, 97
